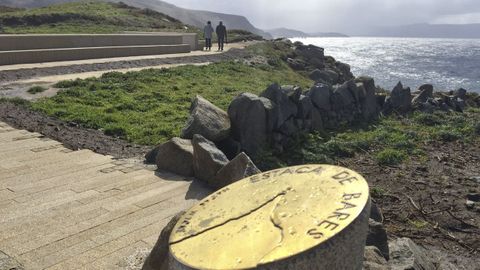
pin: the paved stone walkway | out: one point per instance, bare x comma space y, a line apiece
63, 209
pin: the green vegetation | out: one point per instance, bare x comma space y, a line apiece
87, 17
390, 140
151, 106
36, 89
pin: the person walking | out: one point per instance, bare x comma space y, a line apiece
221, 35
208, 32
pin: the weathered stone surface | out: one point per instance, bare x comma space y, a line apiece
305, 107
237, 169
321, 94
400, 100
207, 159
312, 54
405, 254
377, 236
207, 120
460, 93
158, 258
297, 64
346, 74
176, 156
230, 147
368, 99
251, 125
373, 259
426, 92
376, 213
284, 103
329, 76
151, 156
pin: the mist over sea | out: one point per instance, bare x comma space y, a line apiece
448, 64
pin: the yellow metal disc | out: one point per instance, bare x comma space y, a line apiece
269, 217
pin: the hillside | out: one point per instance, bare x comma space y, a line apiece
87, 17
196, 18
291, 33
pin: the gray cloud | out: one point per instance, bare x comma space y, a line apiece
350, 16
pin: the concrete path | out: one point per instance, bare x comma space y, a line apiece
63, 209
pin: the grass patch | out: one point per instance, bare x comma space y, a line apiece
151, 106
87, 17
390, 157
16, 100
390, 141
36, 89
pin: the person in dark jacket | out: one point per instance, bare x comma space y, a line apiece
221, 35
208, 32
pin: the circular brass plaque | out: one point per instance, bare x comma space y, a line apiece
269, 217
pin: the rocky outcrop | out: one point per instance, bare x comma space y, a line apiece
284, 101
207, 159
207, 120
368, 99
175, 156
237, 169
400, 100
250, 116
324, 76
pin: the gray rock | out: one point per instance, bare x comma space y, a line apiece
284, 103
373, 259
297, 64
376, 213
207, 159
405, 254
426, 92
237, 169
377, 236
230, 147
176, 156
329, 76
368, 100
151, 156
321, 94
459, 104
158, 258
250, 116
305, 107
346, 74
400, 100
289, 127
207, 120
317, 123
312, 54
460, 93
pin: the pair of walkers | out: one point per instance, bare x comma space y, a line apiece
221, 32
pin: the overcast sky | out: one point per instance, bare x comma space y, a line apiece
348, 16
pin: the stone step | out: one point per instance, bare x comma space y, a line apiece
66, 54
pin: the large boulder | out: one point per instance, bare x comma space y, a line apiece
345, 72
405, 254
312, 54
175, 156
426, 92
207, 159
321, 95
250, 116
368, 100
296, 64
328, 76
284, 100
207, 120
400, 100
377, 236
158, 258
460, 93
373, 259
237, 169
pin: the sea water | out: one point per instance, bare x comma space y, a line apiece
448, 64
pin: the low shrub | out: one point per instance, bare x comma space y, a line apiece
390, 156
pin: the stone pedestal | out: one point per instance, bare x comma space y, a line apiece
304, 217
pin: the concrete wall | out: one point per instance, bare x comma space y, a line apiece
31, 42
22, 49
52, 55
